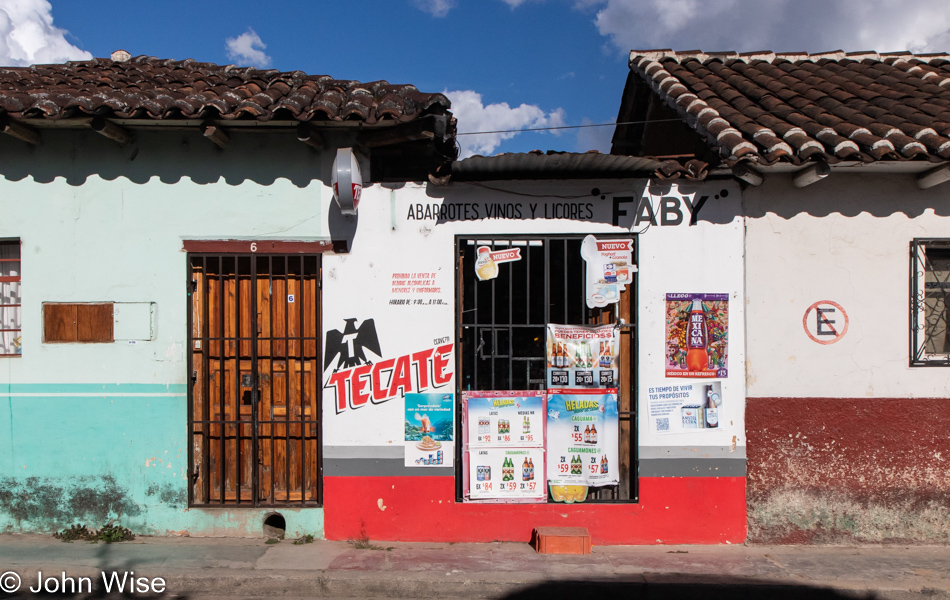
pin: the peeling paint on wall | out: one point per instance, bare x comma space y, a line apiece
833, 470
51, 503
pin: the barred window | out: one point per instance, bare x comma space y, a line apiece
502, 323
930, 291
11, 339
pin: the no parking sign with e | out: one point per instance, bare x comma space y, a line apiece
825, 322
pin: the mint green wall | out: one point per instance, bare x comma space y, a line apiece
90, 432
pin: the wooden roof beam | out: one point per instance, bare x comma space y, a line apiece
116, 133
19, 130
934, 177
215, 134
308, 135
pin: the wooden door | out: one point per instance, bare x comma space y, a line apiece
254, 399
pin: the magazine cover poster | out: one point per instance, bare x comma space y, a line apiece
697, 335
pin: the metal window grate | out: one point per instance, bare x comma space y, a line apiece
929, 302
11, 319
254, 402
502, 327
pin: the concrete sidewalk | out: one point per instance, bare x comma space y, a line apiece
219, 568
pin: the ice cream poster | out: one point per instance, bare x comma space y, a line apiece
513, 419
430, 427
609, 268
583, 437
686, 407
487, 261
582, 357
697, 335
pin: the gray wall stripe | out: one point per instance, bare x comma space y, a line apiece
379, 467
678, 467
664, 467
692, 452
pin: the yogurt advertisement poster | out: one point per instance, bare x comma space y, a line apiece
582, 437
697, 335
430, 425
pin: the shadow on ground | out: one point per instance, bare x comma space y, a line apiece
682, 588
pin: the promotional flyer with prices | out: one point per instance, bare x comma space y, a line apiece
582, 437
582, 357
506, 473
510, 421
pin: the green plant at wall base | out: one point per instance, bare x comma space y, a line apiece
114, 533
108, 534
76, 532
307, 539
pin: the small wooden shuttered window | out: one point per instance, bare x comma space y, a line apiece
75, 322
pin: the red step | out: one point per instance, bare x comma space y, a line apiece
561, 540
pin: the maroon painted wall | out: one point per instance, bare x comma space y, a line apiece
833, 470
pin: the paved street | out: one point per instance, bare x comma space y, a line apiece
209, 568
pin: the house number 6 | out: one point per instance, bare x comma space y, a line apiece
253, 246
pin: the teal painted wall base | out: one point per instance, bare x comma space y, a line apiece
91, 453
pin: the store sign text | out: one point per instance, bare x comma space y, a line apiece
672, 210
391, 378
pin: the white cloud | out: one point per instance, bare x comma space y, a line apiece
778, 25
473, 115
28, 37
594, 138
248, 48
436, 8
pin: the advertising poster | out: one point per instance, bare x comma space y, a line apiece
486, 265
506, 473
685, 408
430, 425
582, 437
697, 335
505, 420
582, 357
609, 268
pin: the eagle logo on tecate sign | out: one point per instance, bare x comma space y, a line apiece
356, 380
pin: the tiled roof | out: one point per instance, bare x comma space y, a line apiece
769, 107
151, 88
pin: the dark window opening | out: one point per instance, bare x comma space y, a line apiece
930, 302
11, 319
502, 328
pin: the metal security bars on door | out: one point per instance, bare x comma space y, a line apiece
929, 306
254, 411
502, 327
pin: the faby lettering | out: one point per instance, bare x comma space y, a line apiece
666, 211
391, 378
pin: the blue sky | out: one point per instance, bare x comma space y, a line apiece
506, 64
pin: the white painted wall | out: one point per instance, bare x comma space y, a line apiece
103, 223
707, 258
844, 239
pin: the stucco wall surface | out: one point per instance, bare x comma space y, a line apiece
90, 432
847, 442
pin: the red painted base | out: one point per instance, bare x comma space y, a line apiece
697, 510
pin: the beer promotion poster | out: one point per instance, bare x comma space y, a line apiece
507, 474
685, 407
697, 335
582, 357
582, 437
505, 419
609, 268
430, 426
